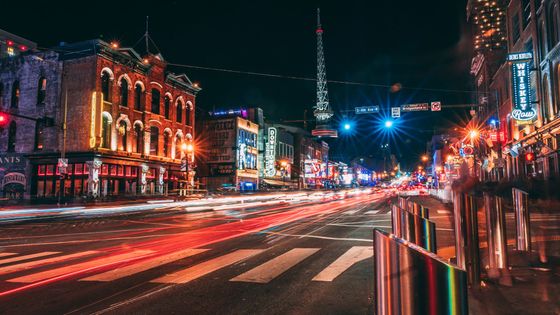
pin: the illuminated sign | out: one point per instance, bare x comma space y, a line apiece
367, 110
229, 112
270, 153
523, 56
415, 107
523, 112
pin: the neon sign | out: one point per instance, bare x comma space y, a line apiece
523, 111
270, 153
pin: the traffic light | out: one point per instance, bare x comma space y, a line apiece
529, 157
3, 120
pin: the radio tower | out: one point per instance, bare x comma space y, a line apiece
322, 111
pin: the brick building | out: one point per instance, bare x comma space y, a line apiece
127, 117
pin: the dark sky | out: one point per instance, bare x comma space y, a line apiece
415, 43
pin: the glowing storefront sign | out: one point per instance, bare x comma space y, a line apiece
523, 111
270, 153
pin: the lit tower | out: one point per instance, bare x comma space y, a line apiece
322, 112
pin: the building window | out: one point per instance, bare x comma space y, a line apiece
106, 86
542, 33
1, 94
12, 133
179, 115
15, 95
106, 131
123, 133
139, 138
42, 90
138, 97
166, 137
155, 101
546, 106
553, 26
166, 106
177, 147
526, 7
154, 140
515, 32
124, 92
39, 135
188, 112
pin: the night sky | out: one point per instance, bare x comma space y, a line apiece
408, 43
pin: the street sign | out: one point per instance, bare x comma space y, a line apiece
415, 107
520, 56
62, 165
395, 112
367, 110
436, 106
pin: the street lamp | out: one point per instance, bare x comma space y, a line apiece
425, 158
187, 149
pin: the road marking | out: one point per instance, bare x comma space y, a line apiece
321, 237
372, 212
143, 265
79, 267
19, 258
443, 211
7, 254
351, 212
31, 264
207, 267
347, 260
276, 266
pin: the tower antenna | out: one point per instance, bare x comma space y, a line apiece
322, 112
147, 34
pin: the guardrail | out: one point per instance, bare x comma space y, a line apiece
522, 220
411, 280
414, 228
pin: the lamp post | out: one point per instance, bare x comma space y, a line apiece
187, 149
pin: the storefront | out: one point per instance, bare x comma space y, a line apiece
13, 176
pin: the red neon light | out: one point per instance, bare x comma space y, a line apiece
10, 43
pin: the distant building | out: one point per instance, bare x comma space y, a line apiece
12, 45
278, 156
229, 143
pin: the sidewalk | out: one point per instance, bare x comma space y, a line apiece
535, 280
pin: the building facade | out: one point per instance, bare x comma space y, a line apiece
122, 120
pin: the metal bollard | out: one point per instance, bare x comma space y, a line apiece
522, 220
466, 235
458, 211
396, 220
410, 280
497, 240
424, 212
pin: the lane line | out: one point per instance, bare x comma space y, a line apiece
202, 269
372, 212
78, 267
347, 260
351, 212
19, 258
31, 264
276, 266
143, 265
7, 254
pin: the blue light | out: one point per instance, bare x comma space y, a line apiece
347, 126
388, 123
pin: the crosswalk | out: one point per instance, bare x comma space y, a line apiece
98, 266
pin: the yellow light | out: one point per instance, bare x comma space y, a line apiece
284, 163
473, 134
115, 45
425, 158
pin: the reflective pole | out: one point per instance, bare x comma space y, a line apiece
497, 240
458, 211
522, 220
396, 220
466, 235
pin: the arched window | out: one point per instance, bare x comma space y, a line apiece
166, 151
155, 101
15, 95
177, 147
124, 92
546, 108
106, 86
106, 131
138, 97
42, 90
139, 138
188, 112
154, 140
553, 26
12, 133
166, 106
123, 135
39, 134
179, 113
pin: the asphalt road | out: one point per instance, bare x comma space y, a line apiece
306, 257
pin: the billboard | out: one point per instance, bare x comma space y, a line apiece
523, 111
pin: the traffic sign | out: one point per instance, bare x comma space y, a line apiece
436, 106
395, 112
415, 107
367, 110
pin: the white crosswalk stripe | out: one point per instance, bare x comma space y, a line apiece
36, 263
207, 267
79, 267
143, 265
26, 257
276, 266
7, 254
344, 262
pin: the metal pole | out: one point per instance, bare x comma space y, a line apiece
496, 235
458, 211
522, 220
396, 220
473, 256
